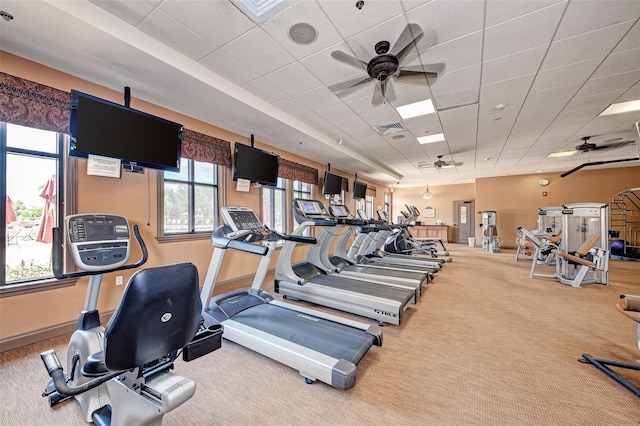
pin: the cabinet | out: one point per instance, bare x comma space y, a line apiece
431, 231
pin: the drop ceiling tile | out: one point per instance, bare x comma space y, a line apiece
307, 12
456, 82
293, 79
576, 72
337, 114
456, 54
438, 15
172, 33
630, 40
499, 39
258, 51
131, 11
620, 82
349, 20
499, 11
600, 100
292, 107
223, 64
329, 70
218, 22
466, 113
264, 89
592, 45
618, 63
508, 67
588, 15
318, 98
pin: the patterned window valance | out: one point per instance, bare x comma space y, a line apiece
371, 191
295, 171
201, 147
31, 104
27, 103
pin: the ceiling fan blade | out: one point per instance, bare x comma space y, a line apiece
348, 59
613, 145
410, 33
378, 96
421, 69
349, 84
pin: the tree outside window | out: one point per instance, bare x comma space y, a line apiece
190, 198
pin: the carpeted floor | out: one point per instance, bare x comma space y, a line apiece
485, 345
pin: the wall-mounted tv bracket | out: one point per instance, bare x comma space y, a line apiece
131, 167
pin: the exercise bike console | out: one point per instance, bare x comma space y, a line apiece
98, 242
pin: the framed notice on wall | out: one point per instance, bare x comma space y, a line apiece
429, 212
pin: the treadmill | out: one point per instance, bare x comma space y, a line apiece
321, 346
319, 256
307, 282
364, 248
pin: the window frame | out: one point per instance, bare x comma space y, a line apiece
219, 200
66, 190
282, 185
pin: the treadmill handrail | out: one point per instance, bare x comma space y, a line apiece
222, 241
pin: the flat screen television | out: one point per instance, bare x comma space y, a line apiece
332, 184
359, 189
255, 165
101, 127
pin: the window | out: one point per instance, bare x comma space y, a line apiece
359, 205
387, 203
302, 190
368, 205
31, 161
190, 199
274, 208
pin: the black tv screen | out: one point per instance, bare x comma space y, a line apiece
255, 165
332, 184
101, 127
359, 189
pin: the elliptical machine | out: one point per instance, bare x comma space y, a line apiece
120, 374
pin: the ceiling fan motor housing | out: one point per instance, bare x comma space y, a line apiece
382, 66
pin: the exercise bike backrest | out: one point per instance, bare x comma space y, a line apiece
98, 243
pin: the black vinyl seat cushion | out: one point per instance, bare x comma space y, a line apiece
159, 313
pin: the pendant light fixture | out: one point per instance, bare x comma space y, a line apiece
427, 195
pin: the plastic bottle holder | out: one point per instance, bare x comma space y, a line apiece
203, 343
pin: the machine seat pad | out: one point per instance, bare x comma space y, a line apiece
159, 313
94, 366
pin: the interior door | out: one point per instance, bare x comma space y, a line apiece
463, 221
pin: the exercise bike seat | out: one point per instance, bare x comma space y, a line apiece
158, 315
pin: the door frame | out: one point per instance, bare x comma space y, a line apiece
471, 219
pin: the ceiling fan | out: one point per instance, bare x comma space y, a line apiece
386, 64
439, 164
587, 146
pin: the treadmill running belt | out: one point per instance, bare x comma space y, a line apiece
336, 340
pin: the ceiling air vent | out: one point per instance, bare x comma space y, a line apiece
387, 129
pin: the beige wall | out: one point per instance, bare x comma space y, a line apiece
133, 196
515, 198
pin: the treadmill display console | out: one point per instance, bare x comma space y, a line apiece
310, 207
98, 242
241, 219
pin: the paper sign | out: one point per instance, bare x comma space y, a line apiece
103, 166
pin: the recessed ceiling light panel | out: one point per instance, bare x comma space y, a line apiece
416, 109
622, 107
562, 154
431, 138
